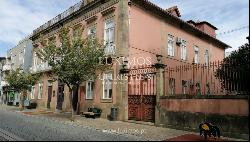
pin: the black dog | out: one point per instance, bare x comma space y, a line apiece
208, 129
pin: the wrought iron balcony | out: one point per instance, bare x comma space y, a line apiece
7, 67
4, 83
40, 68
110, 49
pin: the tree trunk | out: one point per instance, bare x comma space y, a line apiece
22, 98
74, 101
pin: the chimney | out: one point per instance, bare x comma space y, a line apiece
174, 11
191, 22
207, 28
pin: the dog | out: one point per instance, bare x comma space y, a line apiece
208, 129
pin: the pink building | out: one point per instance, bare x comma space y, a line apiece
137, 29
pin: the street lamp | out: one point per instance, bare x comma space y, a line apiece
159, 63
124, 70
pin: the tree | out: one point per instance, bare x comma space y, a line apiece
21, 82
74, 62
234, 71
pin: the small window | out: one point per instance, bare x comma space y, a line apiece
184, 50
32, 94
92, 32
206, 57
170, 45
196, 54
40, 93
184, 87
77, 31
172, 86
107, 86
89, 89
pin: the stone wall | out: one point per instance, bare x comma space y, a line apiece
229, 113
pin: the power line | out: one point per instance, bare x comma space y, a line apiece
232, 30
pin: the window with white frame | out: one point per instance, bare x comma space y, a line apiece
107, 86
40, 90
184, 50
32, 94
92, 32
196, 54
172, 86
21, 59
206, 57
89, 89
170, 45
109, 37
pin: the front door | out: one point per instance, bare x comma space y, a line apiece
49, 96
60, 96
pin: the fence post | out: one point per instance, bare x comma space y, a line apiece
159, 87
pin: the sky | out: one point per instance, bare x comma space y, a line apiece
18, 18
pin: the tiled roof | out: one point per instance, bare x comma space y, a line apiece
186, 26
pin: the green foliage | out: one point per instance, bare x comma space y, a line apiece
234, 71
21, 81
75, 61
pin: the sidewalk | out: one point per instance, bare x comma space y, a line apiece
148, 132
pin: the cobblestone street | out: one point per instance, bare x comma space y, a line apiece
46, 125
41, 128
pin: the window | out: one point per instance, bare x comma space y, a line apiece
21, 59
109, 37
92, 32
89, 89
35, 59
170, 45
40, 93
77, 31
184, 87
32, 94
172, 86
107, 86
196, 54
206, 57
184, 50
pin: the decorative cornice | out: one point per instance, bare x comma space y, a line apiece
108, 11
90, 20
76, 17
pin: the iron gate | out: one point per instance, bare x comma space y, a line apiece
142, 94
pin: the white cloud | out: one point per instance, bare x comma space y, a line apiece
18, 18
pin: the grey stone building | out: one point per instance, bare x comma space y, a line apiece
18, 57
2, 62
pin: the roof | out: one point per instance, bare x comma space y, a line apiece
151, 7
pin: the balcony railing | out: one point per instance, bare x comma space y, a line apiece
7, 67
59, 17
40, 68
110, 50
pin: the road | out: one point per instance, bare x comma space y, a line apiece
16, 126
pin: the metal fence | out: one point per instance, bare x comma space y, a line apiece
215, 78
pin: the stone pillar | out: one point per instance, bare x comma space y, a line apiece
122, 45
159, 87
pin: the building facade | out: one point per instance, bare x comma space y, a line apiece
18, 57
2, 62
137, 30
